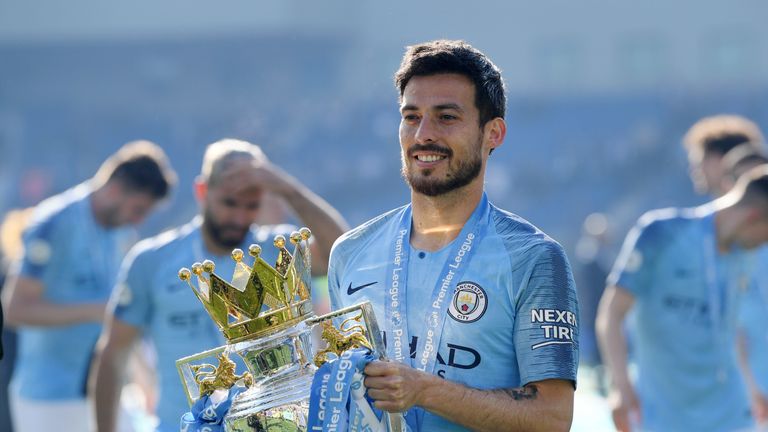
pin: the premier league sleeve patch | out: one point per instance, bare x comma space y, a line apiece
469, 302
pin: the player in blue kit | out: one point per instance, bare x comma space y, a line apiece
720, 148
680, 271
707, 143
752, 332
478, 306
753, 339
152, 301
58, 291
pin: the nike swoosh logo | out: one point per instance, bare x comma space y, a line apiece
351, 290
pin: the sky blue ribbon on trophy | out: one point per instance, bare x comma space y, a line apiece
337, 396
207, 414
398, 335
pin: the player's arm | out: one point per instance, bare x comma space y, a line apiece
538, 406
318, 215
631, 278
109, 370
614, 306
25, 305
24, 294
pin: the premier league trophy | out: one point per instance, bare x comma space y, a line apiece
265, 313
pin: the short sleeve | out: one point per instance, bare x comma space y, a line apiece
38, 240
634, 265
130, 300
546, 328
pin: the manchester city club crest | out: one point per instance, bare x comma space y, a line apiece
469, 302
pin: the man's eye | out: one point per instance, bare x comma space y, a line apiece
410, 117
448, 117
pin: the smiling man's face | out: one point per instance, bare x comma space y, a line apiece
440, 134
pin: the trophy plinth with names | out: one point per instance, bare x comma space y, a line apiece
265, 313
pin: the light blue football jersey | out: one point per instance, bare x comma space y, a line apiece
77, 261
512, 317
752, 314
150, 296
686, 301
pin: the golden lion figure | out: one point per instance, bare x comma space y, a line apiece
210, 378
341, 340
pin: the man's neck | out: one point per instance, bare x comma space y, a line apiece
438, 220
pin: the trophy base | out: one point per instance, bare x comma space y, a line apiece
280, 419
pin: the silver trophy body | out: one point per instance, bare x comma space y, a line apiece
279, 399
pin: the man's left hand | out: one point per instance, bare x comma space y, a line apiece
395, 387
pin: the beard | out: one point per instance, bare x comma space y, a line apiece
225, 235
424, 183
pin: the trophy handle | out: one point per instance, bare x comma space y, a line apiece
188, 367
395, 421
201, 379
373, 334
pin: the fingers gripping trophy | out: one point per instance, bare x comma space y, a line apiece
265, 314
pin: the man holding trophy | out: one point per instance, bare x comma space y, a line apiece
151, 301
478, 306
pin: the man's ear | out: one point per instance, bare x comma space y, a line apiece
495, 131
200, 189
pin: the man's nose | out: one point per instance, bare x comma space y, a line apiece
427, 130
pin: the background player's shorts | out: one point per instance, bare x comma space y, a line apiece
31, 415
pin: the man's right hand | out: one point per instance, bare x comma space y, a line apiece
625, 409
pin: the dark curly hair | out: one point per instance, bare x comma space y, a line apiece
455, 56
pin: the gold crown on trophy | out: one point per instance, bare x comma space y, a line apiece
261, 298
